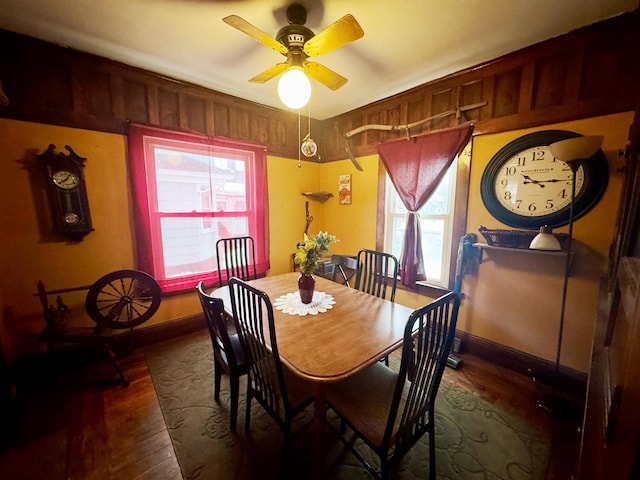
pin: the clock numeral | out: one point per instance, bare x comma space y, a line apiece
504, 182
507, 196
510, 170
521, 161
532, 207
538, 155
562, 193
548, 205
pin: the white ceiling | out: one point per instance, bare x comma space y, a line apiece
406, 42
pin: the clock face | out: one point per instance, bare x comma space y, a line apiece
525, 186
532, 183
65, 179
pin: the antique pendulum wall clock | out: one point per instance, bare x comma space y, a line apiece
67, 192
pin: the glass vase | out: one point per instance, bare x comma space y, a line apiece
306, 287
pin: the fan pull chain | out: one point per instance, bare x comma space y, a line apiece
299, 139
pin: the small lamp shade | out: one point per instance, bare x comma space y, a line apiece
545, 240
576, 149
294, 88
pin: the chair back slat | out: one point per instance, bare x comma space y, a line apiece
377, 273
236, 257
428, 338
253, 313
213, 309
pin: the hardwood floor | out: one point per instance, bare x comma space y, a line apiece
80, 429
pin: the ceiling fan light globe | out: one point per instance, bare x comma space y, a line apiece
294, 88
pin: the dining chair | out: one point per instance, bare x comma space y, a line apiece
237, 257
377, 274
390, 411
346, 266
228, 355
282, 395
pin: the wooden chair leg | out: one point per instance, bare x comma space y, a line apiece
234, 389
247, 420
432, 447
217, 376
284, 458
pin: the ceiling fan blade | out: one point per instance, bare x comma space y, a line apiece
245, 27
324, 75
269, 73
342, 31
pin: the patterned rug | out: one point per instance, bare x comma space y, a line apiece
474, 440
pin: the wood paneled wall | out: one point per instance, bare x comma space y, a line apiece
589, 72
592, 71
50, 84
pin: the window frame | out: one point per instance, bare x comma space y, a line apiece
150, 253
459, 215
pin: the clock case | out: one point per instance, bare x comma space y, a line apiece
596, 178
69, 201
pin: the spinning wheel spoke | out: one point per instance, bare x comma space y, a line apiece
123, 299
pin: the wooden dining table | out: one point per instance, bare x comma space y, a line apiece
355, 333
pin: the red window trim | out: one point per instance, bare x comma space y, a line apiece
148, 238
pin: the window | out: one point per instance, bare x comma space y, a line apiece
441, 222
190, 190
436, 223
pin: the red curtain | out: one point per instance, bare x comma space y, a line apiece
415, 167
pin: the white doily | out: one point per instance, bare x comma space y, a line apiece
291, 304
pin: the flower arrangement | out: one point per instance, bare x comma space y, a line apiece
310, 251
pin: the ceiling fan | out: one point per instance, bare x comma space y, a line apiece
298, 43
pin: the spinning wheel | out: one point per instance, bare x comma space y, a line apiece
118, 300
123, 299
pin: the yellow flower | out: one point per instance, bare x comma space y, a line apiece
310, 250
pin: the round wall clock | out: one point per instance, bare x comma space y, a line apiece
524, 186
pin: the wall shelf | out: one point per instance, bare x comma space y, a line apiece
488, 248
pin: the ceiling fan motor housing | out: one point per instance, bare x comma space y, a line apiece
294, 36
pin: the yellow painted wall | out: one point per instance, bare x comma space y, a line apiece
31, 252
355, 224
515, 299
287, 217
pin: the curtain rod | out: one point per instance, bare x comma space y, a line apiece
406, 127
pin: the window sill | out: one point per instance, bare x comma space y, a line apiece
427, 289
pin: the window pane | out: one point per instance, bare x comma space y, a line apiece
438, 204
187, 249
190, 249
398, 225
432, 243
184, 179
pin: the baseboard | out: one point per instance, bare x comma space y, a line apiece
572, 381
168, 330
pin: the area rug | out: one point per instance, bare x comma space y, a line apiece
474, 439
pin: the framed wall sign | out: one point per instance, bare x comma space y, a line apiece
344, 189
